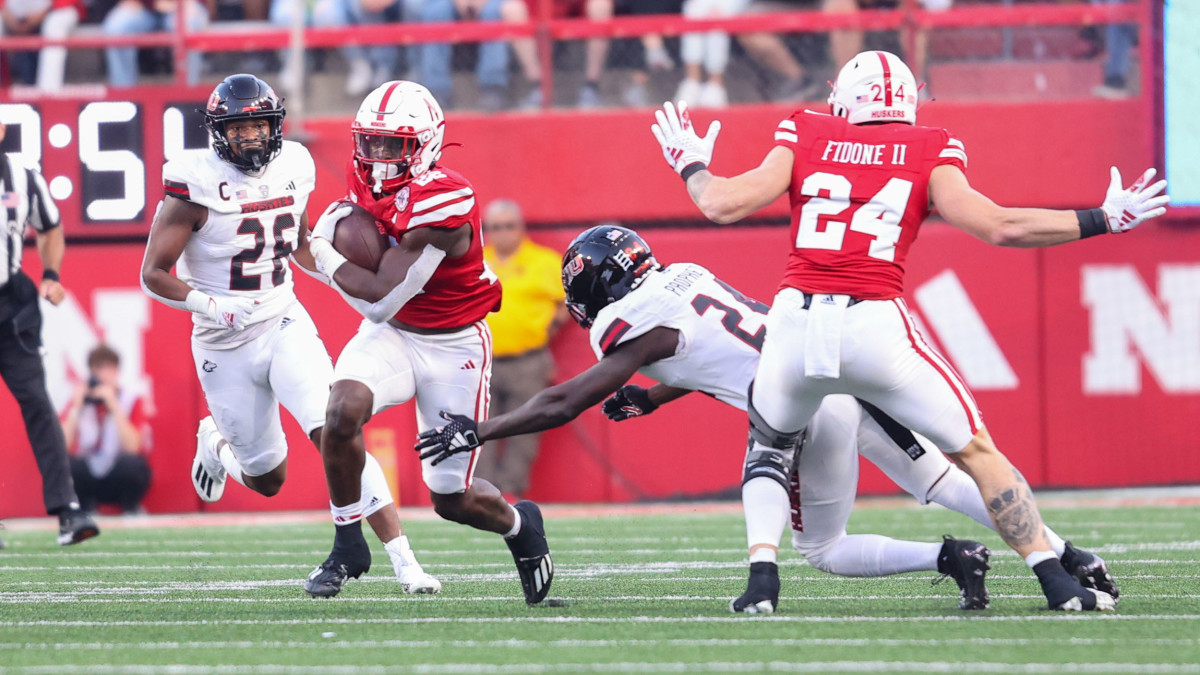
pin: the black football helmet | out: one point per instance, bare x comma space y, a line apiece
600, 267
238, 97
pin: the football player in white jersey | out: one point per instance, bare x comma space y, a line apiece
690, 331
231, 218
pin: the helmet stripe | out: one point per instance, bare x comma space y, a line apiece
887, 80
383, 103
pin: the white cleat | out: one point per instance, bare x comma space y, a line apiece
1104, 603
208, 474
416, 581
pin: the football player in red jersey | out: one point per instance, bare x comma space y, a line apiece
861, 181
425, 337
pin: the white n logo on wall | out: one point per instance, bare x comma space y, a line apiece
1131, 326
120, 318
961, 333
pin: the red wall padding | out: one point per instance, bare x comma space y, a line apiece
1031, 302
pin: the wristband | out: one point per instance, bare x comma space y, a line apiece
197, 302
1091, 223
327, 258
50, 275
691, 170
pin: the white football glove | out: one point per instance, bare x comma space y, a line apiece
229, 312
680, 145
1126, 208
327, 223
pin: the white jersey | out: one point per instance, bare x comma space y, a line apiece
720, 330
252, 227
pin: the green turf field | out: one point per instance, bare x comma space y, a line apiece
644, 593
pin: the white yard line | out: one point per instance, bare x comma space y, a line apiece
774, 618
587, 644
626, 667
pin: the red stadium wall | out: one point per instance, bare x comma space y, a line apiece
1081, 357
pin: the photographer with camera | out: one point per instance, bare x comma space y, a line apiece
27, 203
108, 431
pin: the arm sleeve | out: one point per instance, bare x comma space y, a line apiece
43, 212
418, 275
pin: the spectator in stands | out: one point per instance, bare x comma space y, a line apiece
520, 11
52, 19
531, 314
706, 52
107, 429
653, 54
435, 61
368, 66
134, 17
1118, 45
770, 51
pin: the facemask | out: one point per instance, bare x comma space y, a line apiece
381, 171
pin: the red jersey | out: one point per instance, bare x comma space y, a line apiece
462, 290
859, 194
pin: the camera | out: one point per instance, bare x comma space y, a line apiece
93, 382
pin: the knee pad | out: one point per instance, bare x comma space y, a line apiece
769, 453
767, 435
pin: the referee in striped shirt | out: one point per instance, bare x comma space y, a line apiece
24, 200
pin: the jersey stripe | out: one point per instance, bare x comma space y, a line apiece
460, 208
176, 189
786, 136
953, 153
613, 334
789, 125
956, 143
944, 369
426, 204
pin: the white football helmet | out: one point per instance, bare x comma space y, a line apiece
875, 87
398, 133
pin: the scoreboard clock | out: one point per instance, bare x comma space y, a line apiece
102, 159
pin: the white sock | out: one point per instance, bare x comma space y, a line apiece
516, 528
375, 491
764, 554
957, 491
232, 468
767, 510
344, 515
400, 553
1056, 542
873, 555
1039, 557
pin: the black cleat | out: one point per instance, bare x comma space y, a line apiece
75, 525
351, 557
1064, 592
1090, 570
762, 591
531, 552
966, 562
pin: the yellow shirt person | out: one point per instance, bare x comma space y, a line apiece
531, 312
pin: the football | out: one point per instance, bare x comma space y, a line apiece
359, 239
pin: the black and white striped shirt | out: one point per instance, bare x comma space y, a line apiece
25, 200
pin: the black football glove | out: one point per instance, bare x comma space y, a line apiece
629, 401
461, 434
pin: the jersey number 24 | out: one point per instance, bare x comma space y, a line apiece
880, 217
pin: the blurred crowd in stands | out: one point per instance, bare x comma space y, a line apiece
708, 69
